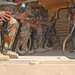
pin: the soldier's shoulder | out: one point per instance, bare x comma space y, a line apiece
12, 20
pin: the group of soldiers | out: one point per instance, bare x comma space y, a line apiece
30, 16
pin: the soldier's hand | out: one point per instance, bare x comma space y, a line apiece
35, 26
72, 22
22, 21
5, 15
38, 22
49, 24
20, 16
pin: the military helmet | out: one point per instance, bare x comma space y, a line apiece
3, 2
31, 0
22, 8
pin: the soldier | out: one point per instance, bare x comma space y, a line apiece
42, 28
39, 30
4, 16
25, 30
39, 27
12, 30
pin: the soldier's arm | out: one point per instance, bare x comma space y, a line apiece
14, 26
46, 23
20, 16
5, 15
32, 25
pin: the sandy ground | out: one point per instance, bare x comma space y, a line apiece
54, 52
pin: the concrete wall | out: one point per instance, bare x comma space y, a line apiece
41, 67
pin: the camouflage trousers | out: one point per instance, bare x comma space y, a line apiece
25, 33
11, 35
40, 34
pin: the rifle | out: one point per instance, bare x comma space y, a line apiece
34, 36
53, 29
73, 3
17, 36
69, 9
48, 30
53, 26
4, 35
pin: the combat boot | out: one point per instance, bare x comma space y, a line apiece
40, 50
3, 57
49, 48
30, 52
21, 51
10, 53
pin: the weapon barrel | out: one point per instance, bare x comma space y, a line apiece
73, 2
53, 17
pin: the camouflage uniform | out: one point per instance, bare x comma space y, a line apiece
25, 30
25, 33
27, 27
12, 30
39, 29
29, 11
40, 34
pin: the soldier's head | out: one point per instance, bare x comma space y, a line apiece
22, 8
34, 3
